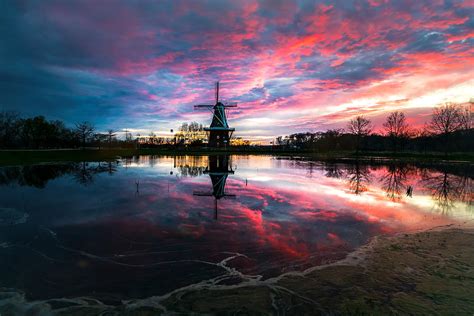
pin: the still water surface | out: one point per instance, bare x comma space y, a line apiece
146, 226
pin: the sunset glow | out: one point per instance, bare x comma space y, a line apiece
291, 65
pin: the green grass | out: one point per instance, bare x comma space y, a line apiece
24, 157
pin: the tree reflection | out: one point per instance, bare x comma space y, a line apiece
333, 170
39, 175
359, 177
448, 188
35, 176
394, 181
83, 174
85, 171
191, 171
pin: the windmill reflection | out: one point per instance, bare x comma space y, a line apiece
218, 169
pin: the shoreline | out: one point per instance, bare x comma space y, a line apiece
353, 285
424, 272
27, 157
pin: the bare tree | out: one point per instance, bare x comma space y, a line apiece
446, 120
467, 115
8, 128
360, 127
396, 127
84, 130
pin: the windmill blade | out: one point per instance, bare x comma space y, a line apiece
203, 106
217, 92
230, 105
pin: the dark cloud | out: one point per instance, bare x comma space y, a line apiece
122, 62
425, 42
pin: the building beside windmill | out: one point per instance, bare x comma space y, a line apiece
219, 131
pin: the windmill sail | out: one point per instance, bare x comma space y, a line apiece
219, 131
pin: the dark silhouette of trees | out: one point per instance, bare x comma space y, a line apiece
360, 127
39, 133
8, 128
396, 128
35, 132
446, 120
421, 141
331, 140
84, 130
450, 129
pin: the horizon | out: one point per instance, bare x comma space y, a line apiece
291, 66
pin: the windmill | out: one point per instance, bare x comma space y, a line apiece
219, 131
218, 169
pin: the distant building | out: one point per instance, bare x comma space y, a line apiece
239, 141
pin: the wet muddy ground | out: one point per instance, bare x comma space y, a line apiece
430, 272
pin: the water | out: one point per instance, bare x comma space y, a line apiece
142, 227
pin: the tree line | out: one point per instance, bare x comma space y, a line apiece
39, 175
449, 129
39, 133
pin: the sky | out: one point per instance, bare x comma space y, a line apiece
291, 66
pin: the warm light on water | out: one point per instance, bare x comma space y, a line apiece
145, 226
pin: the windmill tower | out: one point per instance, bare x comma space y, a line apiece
219, 131
219, 167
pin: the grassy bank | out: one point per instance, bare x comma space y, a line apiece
427, 273
23, 157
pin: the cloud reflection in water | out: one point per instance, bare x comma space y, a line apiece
136, 229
